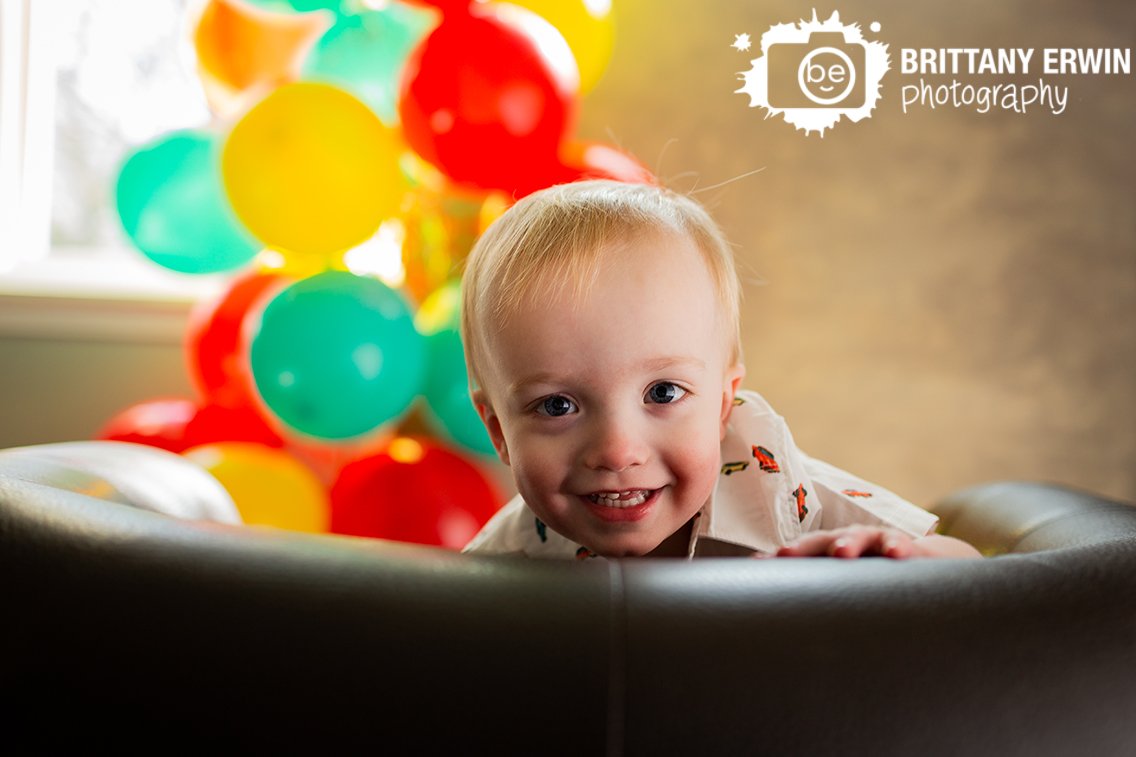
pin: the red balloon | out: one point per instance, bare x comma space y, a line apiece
157, 423
594, 160
215, 345
414, 492
178, 424
446, 6
215, 423
488, 96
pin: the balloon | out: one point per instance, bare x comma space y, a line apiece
243, 51
299, 6
440, 228
177, 424
493, 208
365, 53
336, 355
297, 265
488, 96
311, 169
214, 423
171, 203
592, 160
446, 6
587, 28
269, 486
215, 348
447, 383
157, 423
326, 459
414, 492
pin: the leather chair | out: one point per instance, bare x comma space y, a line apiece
127, 628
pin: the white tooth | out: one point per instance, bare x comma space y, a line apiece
621, 500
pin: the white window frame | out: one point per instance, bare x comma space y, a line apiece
60, 293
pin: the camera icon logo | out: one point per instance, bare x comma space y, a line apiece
819, 73
815, 73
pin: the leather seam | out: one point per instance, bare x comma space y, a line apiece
617, 662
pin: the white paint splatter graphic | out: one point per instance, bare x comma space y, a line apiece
821, 72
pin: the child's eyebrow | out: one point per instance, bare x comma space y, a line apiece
670, 361
650, 365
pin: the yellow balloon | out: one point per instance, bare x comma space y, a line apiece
269, 486
311, 169
586, 26
298, 265
494, 207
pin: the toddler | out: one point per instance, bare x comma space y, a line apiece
600, 322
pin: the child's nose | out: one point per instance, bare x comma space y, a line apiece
615, 446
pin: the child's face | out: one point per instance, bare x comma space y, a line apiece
611, 409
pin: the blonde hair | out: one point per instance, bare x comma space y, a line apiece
555, 237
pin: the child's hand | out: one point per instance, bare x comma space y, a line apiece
875, 541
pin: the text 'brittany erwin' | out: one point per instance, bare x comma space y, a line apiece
1054, 61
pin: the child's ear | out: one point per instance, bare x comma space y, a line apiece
492, 423
730, 388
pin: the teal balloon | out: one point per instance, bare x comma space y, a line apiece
454, 416
173, 206
336, 355
300, 6
446, 389
365, 54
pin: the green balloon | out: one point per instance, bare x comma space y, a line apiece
336, 355
456, 419
173, 206
365, 53
300, 6
446, 388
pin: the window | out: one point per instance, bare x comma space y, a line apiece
83, 83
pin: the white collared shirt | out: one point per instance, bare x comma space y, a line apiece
768, 494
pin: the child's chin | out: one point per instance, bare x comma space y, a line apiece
626, 548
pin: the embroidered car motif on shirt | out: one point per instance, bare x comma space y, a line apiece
800, 495
738, 467
855, 493
765, 459
583, 553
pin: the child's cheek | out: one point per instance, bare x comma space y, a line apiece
699, 460
538, 469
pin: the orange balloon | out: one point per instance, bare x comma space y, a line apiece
440, 221
243, 50
440, 228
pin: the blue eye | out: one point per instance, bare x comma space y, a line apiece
665, 392
556, 406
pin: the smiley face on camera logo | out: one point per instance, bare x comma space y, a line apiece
815, 72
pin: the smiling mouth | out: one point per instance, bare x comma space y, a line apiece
626, 498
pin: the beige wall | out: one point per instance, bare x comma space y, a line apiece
934, 299
57, 388
941, 297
